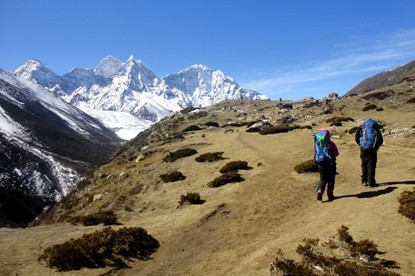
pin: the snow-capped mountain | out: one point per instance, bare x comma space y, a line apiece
47, 147
133, 88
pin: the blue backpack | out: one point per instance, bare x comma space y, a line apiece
368, 137
321, 147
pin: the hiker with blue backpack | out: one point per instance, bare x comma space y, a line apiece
325, 153
369, 138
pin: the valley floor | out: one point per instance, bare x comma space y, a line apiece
241, 226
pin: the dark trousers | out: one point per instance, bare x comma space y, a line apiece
327, 177
369, 159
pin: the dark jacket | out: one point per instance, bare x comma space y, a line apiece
379, 138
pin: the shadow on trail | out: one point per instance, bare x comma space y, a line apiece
410, 182
370, 194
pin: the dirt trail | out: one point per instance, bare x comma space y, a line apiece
242, 225
276, 208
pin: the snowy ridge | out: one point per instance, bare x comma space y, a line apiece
46, 146
35, 181
134, 88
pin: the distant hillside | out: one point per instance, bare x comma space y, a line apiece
47, 147
386, 78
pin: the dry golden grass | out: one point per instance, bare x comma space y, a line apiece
239, 228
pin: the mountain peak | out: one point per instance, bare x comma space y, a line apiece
108, 66
199, 67
131, 58
31, 65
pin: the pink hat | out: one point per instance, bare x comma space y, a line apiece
326, 131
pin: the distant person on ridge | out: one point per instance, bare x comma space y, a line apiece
369, 138
325, 153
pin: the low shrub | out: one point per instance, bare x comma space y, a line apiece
253, 129
181, 153
337, 121
210, 157
192, 128
105, 217
343, 256
211, 124
107, 247
197, 115
352, 130
233, 125
172, 177
230, 177
276, 129
235, 166
306, 167
192, 198
411, 100
369, 107
379, 95
407, 204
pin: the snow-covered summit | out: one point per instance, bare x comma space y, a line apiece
134, 88
108, 66
37, 72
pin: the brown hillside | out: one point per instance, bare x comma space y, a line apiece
240, 226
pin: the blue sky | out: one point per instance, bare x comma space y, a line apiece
281, 48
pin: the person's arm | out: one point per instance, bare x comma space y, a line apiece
335, 151
379, 138
357, 135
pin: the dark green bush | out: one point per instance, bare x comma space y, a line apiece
210, 157
276, 129
411, 100
306, 167
253, 129
233, 125
407, 204
230, 177
172, 177
211, 124
197, 115
352, 130
192, 198
235, 166
107, 247
251, 123
181, 153
192, 128
337, 121
369, 107
379, 95
353, 258
105, 217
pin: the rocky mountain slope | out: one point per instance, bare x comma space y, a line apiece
238, 228
386, 78
47, 147
132, 88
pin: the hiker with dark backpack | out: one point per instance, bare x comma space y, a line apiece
325, 153
369, 138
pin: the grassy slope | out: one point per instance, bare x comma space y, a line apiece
241, 226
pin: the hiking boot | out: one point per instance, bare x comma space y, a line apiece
364, 183
319, 196
331, 198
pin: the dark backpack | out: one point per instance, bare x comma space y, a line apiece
321, 147
368, 137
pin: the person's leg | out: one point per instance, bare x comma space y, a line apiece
331, 181
364, 158
371, 168
322, 168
